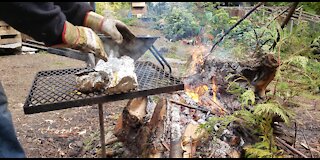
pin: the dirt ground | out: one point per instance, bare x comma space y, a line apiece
74, 132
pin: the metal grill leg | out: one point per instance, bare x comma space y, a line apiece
102, 138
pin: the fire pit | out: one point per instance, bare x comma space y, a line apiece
55, 89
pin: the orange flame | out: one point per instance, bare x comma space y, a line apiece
197, 58
197, 92
214, 91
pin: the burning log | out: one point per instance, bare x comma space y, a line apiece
175, 136
262, 74
258, 72
167, 129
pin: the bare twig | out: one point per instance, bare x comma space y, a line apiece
270, 24
165, 145
295, 134
236, 24
112, 140
290, 147
192, 107
212, 153
277, 17
102, 136
285, 22
304, 137
308, 147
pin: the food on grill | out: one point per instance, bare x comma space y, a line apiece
115, 76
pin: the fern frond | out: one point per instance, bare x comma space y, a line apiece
247, 116
247, 96
252, 152
271, 109
299, 61
234, 88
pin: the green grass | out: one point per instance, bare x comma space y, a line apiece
173, 55
59, 64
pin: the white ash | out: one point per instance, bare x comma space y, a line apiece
222, 149
175, 125
201, 121
186, 111
151, 105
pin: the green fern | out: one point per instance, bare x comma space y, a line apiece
299, 61
270, 109
247, 117
253, 152
213, 121
262, 149
246, 97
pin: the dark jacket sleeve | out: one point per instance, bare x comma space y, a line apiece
43, 21
75, 11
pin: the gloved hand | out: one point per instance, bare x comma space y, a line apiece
110, 27
82, 38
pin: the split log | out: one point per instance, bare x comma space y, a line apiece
190, 139
141, 138
129, 123
175, 136
154, 148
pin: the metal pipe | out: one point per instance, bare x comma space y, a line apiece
155, 55
164, 60
243, 18
102, 138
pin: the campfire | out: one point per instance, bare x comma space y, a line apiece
170, 127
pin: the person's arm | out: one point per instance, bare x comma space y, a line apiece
44, 21
81, 13
75, 12
114, 28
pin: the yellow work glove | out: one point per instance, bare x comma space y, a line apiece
82, 38
110, 27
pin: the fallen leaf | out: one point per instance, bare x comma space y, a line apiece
82, 132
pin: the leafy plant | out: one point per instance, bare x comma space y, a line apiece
247, 97
179, 23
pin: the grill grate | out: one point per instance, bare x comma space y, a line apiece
55, 89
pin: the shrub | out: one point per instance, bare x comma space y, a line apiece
179, 23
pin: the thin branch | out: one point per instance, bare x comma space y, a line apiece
290, 147
295, 134
285, 22
277, 16
243, 18
304, 137
192, 107
274, 18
